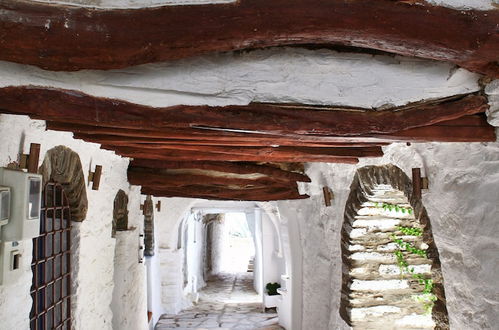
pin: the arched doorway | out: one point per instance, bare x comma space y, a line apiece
51, 265
391, 269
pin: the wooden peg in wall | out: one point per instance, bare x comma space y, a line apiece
94, 177
418, 183
30, 161
328, 196
158, 206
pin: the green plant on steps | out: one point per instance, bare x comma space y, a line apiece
272, 288
393, 207
427, 298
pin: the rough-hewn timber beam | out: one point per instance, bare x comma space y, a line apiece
148, 179
250, 194
71, 38
473, 128
282, 154
79, 108
118, 140
221, 167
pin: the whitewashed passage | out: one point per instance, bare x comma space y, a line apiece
389, 271
228, 302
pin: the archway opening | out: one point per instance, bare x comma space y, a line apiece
391, 271
235, 245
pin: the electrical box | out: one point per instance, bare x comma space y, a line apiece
4, 205
11, 261
25, 202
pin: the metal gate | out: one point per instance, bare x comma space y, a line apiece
51, 265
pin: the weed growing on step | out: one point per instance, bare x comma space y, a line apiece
394, 207
427, 297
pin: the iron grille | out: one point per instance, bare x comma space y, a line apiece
51, 265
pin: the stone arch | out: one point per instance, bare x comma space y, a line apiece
367, 183
120, 212
63, 165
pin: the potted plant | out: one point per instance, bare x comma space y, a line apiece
271, 296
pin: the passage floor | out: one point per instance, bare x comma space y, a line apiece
228, 302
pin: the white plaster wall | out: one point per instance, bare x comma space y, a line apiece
217, 247
463, 205
275, 75
172, 280
154, 271
195, 250
129, 293
92, 244
273, 263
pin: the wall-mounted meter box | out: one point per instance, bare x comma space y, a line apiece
11, 261
25, 203
4, 205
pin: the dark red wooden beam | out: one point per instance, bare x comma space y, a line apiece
283, 154
71, 38
220, 193
120, 140
148, 179
222, 167
75, 107
474, 128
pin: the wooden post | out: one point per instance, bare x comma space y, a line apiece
95, 176
418, 183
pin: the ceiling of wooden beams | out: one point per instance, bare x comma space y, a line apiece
71, 38
256, 151
243, 152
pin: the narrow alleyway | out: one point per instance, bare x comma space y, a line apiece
227, 302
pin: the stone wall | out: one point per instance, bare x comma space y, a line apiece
93, 247
462, 207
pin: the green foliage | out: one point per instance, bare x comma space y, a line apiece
410, 231
408, 246
393, 207
427, 298
272, 288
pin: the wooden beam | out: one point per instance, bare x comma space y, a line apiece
142, 177
473, 128
76, 107
222, 167
120, 140
58, 37
282, 154
253, 194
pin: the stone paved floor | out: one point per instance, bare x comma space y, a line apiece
227, 302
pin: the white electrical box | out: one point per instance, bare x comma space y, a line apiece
4, 205
25, 202
11, 261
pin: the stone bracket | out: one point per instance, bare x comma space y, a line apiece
30, 161
94, 177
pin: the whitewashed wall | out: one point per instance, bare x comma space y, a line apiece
273, 261
462, 204
275, 75
92, 247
